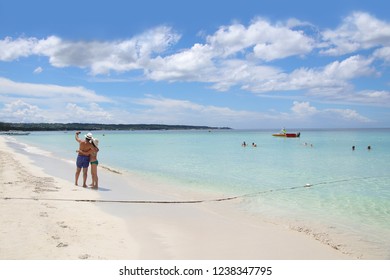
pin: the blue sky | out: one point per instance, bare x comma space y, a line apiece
243, 64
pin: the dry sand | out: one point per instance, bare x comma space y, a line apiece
35, 225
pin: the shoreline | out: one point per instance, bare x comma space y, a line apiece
34, 228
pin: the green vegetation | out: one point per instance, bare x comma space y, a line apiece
95, 126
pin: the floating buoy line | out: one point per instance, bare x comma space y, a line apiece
306, 186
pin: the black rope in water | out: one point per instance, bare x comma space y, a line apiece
104, 200
187, 201
121, 201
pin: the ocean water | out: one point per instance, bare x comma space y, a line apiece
315, 184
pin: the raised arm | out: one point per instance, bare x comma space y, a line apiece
77, 137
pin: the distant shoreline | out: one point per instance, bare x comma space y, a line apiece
96, 126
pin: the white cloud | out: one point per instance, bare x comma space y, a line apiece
166, 110
194, 64
347, 114
99, 57
358, 31
267, 41
27, 102
120, 56
261, 40
38, 70
331, 80
214, 61
294, 22
383, 53
370, 97
157, 109
350, 68
244, 74
20, 111
91, 113
50, 91
303, 110
13, 49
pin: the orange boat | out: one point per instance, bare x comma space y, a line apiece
287, 135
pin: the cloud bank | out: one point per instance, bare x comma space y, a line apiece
246, 57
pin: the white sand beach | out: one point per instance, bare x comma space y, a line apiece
41, 219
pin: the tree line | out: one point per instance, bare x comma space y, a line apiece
94, 126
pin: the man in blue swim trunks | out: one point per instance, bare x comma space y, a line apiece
82, 160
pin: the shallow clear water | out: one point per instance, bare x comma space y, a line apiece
349, 193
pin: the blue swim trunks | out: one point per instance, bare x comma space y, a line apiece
82, 161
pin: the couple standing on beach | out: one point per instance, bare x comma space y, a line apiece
87, 154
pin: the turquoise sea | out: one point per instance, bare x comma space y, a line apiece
315, 184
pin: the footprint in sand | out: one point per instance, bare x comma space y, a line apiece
55, 237
60, 245
43, 214
62, 224
48, 205
84, 257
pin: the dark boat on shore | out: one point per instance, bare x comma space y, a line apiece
14, 133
